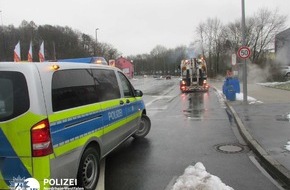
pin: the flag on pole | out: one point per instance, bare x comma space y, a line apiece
17, 56
41, 52
30, 52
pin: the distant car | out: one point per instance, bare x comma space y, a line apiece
285, 70
155, 76
168, 77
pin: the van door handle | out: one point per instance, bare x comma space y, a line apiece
121, 102
127, 101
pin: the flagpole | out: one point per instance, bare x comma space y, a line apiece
30, 56
41, 52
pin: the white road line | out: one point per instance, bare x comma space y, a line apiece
264, 172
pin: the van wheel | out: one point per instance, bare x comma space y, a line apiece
89, 169
144, 127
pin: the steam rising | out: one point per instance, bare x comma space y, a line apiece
257, 74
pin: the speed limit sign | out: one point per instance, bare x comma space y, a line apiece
244, 52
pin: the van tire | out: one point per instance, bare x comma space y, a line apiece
144, 127
89, 169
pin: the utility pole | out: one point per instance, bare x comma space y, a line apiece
1, 18
96, 49
54, 52
245, 88
3, 38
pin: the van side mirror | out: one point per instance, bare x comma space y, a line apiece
138, 93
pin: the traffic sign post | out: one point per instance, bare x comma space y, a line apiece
234, 59
234, 65
244, 52
245, 86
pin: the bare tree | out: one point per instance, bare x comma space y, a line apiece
210, 33
261, 29
200, 30
159, 55
107, 51
265, 25
233, 32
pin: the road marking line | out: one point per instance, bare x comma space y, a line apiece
264, 172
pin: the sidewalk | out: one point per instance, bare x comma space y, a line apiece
265, 125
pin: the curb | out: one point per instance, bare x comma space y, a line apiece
282, 173
273, 165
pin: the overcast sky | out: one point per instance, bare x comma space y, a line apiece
134, 26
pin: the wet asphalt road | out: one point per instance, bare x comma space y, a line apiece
186, 128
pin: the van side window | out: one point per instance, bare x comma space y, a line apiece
127, 87
107, 84
73, 88
14, 97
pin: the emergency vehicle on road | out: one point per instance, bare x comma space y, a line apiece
58, 120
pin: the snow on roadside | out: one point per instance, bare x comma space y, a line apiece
240, 97
251, 100
271, 84
197, 178
287, 146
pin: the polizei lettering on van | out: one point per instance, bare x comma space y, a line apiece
115, 114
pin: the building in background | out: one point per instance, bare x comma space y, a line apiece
126, 66
282, 47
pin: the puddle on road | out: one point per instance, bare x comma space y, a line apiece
160, 103
230, 116
193, 113
194, 104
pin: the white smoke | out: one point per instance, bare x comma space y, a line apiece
257, 74
282, 54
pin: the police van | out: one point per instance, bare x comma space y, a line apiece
58, 120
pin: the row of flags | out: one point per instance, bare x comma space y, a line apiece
17, 55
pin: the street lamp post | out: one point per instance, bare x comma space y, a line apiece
1, 18
3, 37
96, 41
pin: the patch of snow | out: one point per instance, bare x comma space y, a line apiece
197, 178
251, 100
240, 96
272, 83
287, 146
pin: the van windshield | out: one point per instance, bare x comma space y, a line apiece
14, 98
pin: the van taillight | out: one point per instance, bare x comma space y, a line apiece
41, 139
